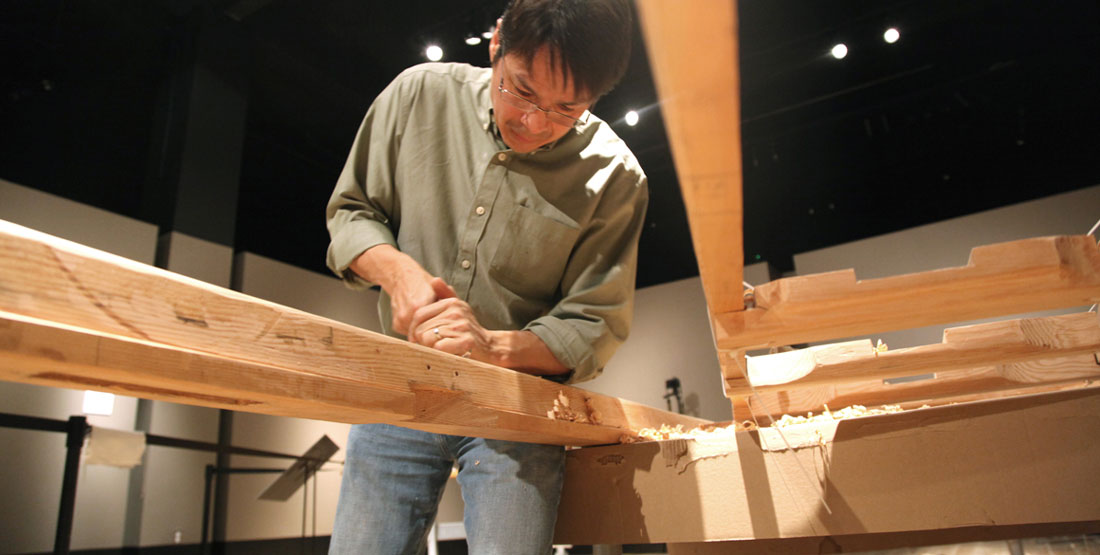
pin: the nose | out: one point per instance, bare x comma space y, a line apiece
536, 122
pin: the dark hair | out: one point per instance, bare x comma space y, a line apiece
589, 40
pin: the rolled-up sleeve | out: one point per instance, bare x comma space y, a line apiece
360, 211
593, 317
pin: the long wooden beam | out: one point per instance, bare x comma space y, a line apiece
1010, 462
975, 346
1001, 279
692, 49
76, 317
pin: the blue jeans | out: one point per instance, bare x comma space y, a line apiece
394, 479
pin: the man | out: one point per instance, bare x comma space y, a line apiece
501, 220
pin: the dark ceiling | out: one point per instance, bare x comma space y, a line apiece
980, 104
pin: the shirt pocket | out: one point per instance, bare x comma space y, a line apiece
533, 253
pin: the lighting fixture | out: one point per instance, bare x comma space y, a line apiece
99, 403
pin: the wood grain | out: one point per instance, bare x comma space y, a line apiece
82, 301
692, 48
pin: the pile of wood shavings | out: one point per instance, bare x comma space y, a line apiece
562, 411
676, 432
854, 411
666, 432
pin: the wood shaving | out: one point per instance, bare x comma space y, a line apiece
854, 411
563, 411
666, 432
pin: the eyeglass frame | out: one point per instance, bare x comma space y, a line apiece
520, 103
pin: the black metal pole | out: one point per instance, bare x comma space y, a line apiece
305, 507
206, 509
221, 482
74, 444
206, 543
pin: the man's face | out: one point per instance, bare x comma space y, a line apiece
523, 128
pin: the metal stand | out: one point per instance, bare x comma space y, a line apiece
74, 444
212, 471
77, 427
672, 391
74, 429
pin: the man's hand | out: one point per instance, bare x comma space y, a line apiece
409, 286
424, 305
449, 325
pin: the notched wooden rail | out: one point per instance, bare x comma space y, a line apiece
1001, 279
71, 316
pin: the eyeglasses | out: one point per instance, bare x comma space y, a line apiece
518, 102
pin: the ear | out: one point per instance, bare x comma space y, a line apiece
494, 43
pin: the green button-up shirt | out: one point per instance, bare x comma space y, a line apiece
544, 241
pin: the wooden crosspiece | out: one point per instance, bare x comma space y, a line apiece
1001, 279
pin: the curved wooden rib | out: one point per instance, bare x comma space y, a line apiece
952, 386
980, 345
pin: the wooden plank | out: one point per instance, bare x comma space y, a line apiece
692, 48
65, 303
1010, 462
1001, 279
42, 353
975, 346
950, 386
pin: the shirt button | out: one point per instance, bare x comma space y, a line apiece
502, 156
465, 264
480, 210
